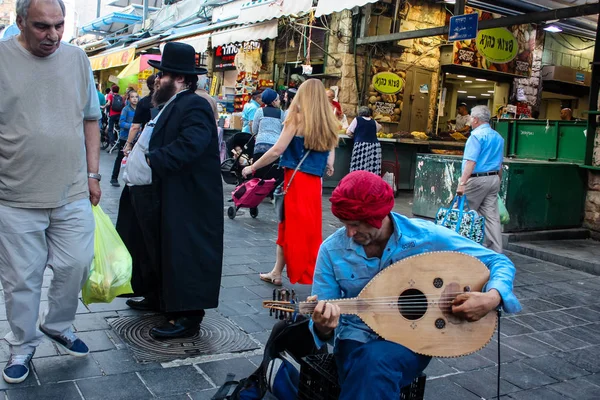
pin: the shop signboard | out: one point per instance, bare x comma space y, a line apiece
224, 58
507, 50
463, 27
387, 83
111, 60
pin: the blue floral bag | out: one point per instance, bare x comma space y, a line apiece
464, 221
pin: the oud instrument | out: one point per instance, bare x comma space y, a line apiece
410, 303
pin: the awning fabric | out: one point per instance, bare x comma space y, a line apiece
265, 10
112, 22
265, 30
326, 7
138, 65
112, 59
198, 42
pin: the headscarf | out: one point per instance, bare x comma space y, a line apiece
362, 196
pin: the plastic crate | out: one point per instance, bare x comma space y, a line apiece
319, 380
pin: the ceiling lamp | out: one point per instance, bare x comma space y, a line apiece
552, 28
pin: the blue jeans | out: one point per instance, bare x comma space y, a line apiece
376, 370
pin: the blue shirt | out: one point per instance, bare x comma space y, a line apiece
343, 269
266, 127
485, 146
125, 121
248, 114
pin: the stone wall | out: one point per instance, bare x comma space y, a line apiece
592, 200
422, 53
532, 86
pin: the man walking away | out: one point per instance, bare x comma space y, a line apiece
482, 172
115, 104
143, 115
48, 177
125, 122
171, 212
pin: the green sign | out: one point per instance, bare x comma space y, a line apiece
387, 83
497, 45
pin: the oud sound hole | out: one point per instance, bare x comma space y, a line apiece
412, 304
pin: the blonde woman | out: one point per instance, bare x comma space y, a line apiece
309, 125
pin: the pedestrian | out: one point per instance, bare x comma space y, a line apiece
143, 115
366, 152
336, 107
288, 96
566, 114
481, 174
125, 122
371, 239
115, 104
463, 119
171, 211
267, 126
309, 134
48, 178
250, 109
102, 102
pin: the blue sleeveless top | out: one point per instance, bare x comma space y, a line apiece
314, 164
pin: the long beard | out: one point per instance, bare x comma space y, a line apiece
162, 94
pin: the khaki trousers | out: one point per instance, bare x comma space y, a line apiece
482, 195
61, 239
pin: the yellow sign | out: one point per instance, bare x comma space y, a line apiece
387, 83
497, 45
112, 60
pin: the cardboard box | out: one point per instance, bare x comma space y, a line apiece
236, 122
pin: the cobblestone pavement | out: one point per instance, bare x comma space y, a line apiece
549, 351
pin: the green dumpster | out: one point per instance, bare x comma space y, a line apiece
538, 194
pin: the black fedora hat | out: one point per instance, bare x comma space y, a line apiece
178, 58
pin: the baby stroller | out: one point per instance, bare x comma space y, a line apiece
231, 168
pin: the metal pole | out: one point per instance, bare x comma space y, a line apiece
459, 7
145, 15
561, 13
98, 8
593, 105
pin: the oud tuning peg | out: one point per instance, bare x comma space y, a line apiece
293, 295
274, 294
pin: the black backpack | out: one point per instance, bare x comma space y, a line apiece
117, 104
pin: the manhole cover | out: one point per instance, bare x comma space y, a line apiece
217, 335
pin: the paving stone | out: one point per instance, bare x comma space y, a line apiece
525, 293
539, 267
536, 323
535, 305
483, 383
121, 361
565, 275
114, 387
232, 270
468, 363
248, 323
236, 294
29, 382
437, 367
525, 377
588, 333
579, 389
507, 354
528, 279
171, 381
238, 281
261, 337
595, 379
570, 301
230, 308
116, 304
45, 349
62, 391
264, 290
559, 340
218, 370
92, 321
545, 393
95, 340
203, 395
529, 345
562, 318
554, 367
65, 368
544, 290
586, 313
588, 358
511, 327
444, 388
256, 360
81, 308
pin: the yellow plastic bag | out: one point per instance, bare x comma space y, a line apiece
110, 272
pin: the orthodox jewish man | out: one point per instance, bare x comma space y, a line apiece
171, 212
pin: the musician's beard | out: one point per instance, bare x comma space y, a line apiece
363, 239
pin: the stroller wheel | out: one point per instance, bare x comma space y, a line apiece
254, 212
231, 212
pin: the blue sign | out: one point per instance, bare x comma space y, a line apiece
579, 77
463, 27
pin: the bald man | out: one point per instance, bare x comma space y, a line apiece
566, 114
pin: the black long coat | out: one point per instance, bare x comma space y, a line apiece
184, 157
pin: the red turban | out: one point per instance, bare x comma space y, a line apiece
362, 196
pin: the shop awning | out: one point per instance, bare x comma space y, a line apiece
265, 30
112, 58
138, 65
198, 42
326, 7
265, 10
110, 23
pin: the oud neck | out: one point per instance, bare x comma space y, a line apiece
347, 306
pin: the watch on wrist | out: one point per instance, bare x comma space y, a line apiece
92, 175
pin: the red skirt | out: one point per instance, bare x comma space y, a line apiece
301, 232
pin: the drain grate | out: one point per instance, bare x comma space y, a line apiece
217, 335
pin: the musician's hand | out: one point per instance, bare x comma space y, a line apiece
473, 306
326, 316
